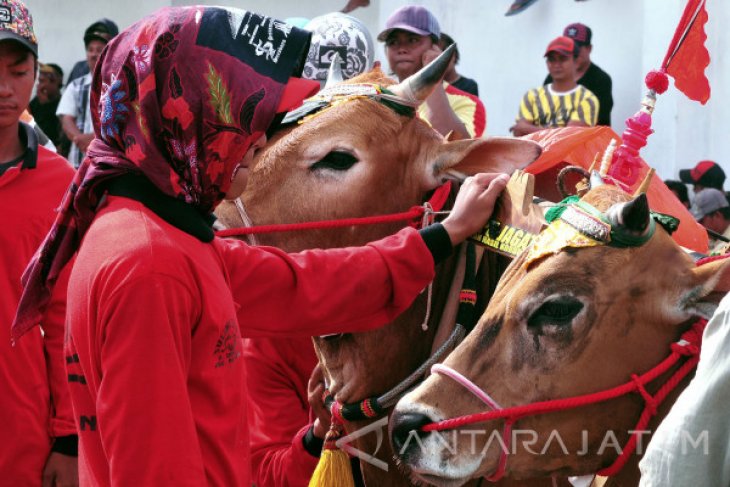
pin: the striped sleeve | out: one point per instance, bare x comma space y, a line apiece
467, 108
527, 107
586, 111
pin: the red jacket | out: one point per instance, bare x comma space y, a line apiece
34, 404
279, 415
154, 344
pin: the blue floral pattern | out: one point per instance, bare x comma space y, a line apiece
114, 112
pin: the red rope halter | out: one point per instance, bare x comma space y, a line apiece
436, 202
688, 345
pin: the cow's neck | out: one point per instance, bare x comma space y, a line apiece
629, 476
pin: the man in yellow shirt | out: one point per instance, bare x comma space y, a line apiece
561, 103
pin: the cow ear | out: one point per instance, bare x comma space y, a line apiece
461, 158
714, 275
712, 283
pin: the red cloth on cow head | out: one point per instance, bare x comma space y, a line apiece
178, 97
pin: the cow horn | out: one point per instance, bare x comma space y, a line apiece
644, 186
596, 180
417, 87
633, 215
334, 74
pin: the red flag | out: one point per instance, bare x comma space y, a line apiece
687, 56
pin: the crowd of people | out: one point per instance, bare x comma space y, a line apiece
130, 287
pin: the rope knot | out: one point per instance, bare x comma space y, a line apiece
336, 410
683, 347
651, 403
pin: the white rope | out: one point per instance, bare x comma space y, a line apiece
247, 222
424, 325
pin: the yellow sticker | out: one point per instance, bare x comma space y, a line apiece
505, 239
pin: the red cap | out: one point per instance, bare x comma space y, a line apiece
580, 33
563, 45
295, 92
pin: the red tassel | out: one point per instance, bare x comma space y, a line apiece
657, 81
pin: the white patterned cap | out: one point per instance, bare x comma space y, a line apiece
342, 34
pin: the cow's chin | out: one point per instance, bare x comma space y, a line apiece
433, 467
435, 481
424, 478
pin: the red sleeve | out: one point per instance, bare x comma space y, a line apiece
320, 292
143, 405
279, 413
53, 324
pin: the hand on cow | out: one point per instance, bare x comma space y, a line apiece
315, 392
474, 205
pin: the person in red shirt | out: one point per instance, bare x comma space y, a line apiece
157, 305
39, 436
286, 439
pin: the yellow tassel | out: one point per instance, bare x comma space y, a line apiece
334, 468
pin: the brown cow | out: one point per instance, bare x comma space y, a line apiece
361, 158
563, 324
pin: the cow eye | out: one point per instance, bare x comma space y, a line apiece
556, 312
335, 161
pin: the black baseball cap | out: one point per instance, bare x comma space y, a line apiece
706, 173
102, 30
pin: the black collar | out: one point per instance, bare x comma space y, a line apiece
29, 157
174, 211
30, 139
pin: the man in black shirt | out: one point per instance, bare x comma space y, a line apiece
452, 76
590, 75
43, 105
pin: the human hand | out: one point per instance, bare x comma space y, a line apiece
315, 393
82, 141
61, 471
430, 54
474, 205
523, 127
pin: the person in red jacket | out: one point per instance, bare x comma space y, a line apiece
157, 305
286, 433
36, 420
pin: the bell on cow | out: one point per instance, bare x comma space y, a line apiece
632, 216
417, 87
334, 75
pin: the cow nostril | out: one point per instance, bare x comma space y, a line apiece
403, 427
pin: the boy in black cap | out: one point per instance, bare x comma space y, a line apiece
105, 26
37, 426
73, 109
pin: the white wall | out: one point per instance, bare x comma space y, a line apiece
504, 54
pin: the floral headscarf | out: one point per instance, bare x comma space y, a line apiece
178, 97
